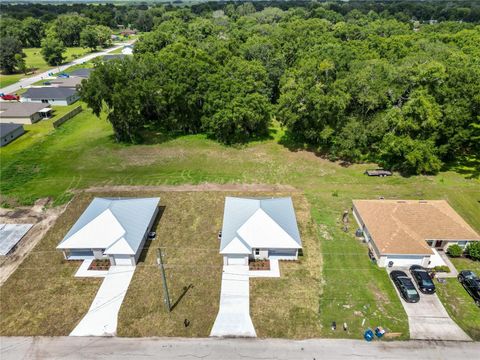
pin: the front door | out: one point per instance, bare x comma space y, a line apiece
438, 244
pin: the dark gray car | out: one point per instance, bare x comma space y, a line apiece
405, 286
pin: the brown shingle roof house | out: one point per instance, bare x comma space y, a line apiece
406, 231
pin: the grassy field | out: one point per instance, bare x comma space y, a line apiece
287, 307
83, 153
35, 133
459, 303
35, 62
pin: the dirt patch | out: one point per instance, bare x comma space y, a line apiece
43, 218
199, 187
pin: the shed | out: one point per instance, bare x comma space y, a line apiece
9, 132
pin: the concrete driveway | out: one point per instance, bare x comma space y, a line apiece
101, 318
428, 319
233, 317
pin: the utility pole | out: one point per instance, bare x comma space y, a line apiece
166, 296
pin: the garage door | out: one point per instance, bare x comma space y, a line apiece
237, 260
80, 254
282, 253
404, 260
123, 260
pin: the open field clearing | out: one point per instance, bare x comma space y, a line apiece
339, 285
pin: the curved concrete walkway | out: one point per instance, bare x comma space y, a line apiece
233, 317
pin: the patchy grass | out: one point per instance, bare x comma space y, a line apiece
353, 289
42, 297
287, 307
36, 64
83, 153
459, 303
187, 233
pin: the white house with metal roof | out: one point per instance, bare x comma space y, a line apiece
113, 228
259, 228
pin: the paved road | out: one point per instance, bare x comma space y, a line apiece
17, 348
33, 79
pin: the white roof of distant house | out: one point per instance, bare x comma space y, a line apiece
117, 225
259, 223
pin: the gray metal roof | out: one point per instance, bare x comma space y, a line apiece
19, 109
133, 214
114, 57
84, 73
10, 235
68, 82
6, 129
238, 210
55, 93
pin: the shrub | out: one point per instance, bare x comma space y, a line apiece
455, 250
473, 250
442, 268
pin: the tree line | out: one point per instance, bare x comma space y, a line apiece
56, 27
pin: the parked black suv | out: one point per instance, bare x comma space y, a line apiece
405, 286
471, 283
423, 279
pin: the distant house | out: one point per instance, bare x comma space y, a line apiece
406, 232
23, 113
127, 50
71, 82
51, 95
111, 228
109, 57
9, 132
259, 228
128, 32
83, 73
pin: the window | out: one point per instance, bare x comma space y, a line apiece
462, 244
257, 251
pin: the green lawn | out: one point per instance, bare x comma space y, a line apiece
35, 62
459, 303
83, 153
35, 133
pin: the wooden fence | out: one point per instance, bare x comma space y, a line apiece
67, 116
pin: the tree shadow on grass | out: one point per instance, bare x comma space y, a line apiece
146, 246
468, 166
